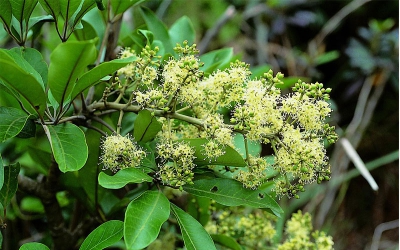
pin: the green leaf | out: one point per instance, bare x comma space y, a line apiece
15, 77
120, 6
158, 28
35, 60
29, 130
104, 236
1, 172
123, 177
33, 246
182, 30
23, 9
254, 147
10, 184
68, 144
32, 205
146, 126
290, 81
93, 76
230, 158
327, 57
193, 233
51, 7
12, 121
67, 62
226, 241
230, 192
143, 219
6, 12
216, 59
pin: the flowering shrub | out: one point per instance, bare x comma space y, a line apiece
163, 118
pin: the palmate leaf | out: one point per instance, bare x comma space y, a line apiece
104, 235
193, 233
69, 146
143, 219
230, 192
123, 177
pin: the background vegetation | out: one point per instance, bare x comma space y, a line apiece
351, 47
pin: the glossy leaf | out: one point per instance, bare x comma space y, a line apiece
123, 177
158, 28
226, 241
35, 59
182, 30
143, 219
230, 158
10, 184
67, 63
6, 12
93, 76
15, 77
12, 121
146, 126
104, 236
193, 233
68, 144
230, 192
120, 6
33, 246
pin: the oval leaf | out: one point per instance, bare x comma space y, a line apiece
69, 146
67, 62
104, 235
146, 126
123, 177
12, 121
91, 77
33, 246
182, 30
193, 233
10, 184
143, 219
226, 241
230, 158
120, 6
5, 13
230, 192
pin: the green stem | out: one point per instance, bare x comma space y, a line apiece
121, 115
246, 147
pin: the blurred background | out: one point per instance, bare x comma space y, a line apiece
351, 47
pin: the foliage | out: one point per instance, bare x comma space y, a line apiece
166, 120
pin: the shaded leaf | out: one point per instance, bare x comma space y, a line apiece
51, 7
67, 62
182, 30
226, 241
12, 121
6, 12
10, 184
230, 192
230, 158
92, 77
254, 147
103, 236
68, 144
33, 246
123, 177
29, 130
215, 59
193, 233
1, 172
143, 219
146, 126
32, 204
23, 9
158, 28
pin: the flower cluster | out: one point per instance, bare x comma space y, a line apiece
298, 230
120, 152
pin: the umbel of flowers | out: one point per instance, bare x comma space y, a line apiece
188, 103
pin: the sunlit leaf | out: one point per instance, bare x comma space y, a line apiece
143, 219
33, 246
68, 144
123, 177
182, 30
193, 233
104, 236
